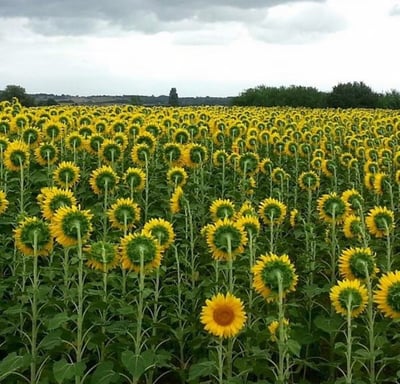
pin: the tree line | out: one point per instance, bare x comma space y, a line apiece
343, 95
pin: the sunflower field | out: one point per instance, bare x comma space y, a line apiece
199, 245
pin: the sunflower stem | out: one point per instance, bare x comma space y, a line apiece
220, 349
105, 210
370, 327
349, 341
35, 289
79, 330
282, 348
146, 190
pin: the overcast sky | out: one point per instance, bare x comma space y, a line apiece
201, 47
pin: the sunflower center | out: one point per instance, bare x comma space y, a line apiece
350, 297
223, 315
393, 297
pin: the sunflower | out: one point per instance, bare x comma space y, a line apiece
52, 130
74, 141
271, 272
294, 217
265, 166
223, 315
349, 295
308, 181
146, 138
226, 239
380, 183
220, 157
222, 208
353, 198
279, 175
140, 249
141, 154
352, 227
332, 208
16, 156
102, 256
181, 136
31, 137
387, 296
173, 154
246, 210
46, 154
33, 233
194, 155
248, 163
3, 202
273, 328
69, 224
103, 179
162, 230
50, 199
124, 214
272, 211
135, 178
380, 221
110, 151
177, 176
93, 143
356, 263
66, 175
250, 224
328, 167
175, 201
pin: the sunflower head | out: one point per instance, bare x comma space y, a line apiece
176, 200
220, 157
110, 151
135, 178
3, 202
103, 179
173, 153
294, 217
124, 214
309, 181
349, 297
380, 221
177, 176
102, 256
273, 273
66, 175
33, 237
332, 208
16, 156
273, 328
46, 154
353, 198
357, 263
272, 211
222, 208
140, 252
53, 198
250, 224
194, 155
352, 227
162, 230
141, 154
223, 315
387, 295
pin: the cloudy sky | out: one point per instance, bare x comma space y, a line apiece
201, 47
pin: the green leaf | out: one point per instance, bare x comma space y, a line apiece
104, 374
51, 340
328, 324
57, 320
10, 364
137, 364
63, 370
203, 368
294, 347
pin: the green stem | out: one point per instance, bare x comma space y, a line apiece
220, 350
79, 330
348, 376
282, 348
35, 289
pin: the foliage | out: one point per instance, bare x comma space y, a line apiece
173, 99
16, 92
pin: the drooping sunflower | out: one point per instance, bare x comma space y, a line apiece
279, 175
246, 209
177, 176
162, 230
135, 178
31, 136
248, 163
357, 263
265, 166
222, 208
250, 224
352, 227
220, 157
141, 154
102, 179
93, 143
223, 315
381, 183
110, 151
74, 141
102, 256
332, 208
124, 214
309, 181
387, 295
294, 217
226, 239
272, 211
380, 221
353, 198
349, 296
175, 202
53, 198
3, 202
33, 237
140, 250
69, 224
328, 167
173, 154
146, 138
271, 272
66, 175
46, 154
194, 155
16, 156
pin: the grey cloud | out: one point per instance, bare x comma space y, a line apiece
395, 11
80, 17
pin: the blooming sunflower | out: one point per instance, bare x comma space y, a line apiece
93, 143
356, 263
308, 181
110, 151
50, 199
69, 224
74, 141
271, 271
353, 198
177, 176
332, 208
250, 224
220, 157
387, 296
140, 249
146, 138
223, 315
103, 179
194, 155
162, 230
272, 211
3, 202
16, 156
349, 295
248, 163
124, 214
294, 216
173, 154
226, 239
141, 154
31, 136
66, 175
102, 256
135, 178
380, 221
33, 233
175, 201
265, 166
279, 175
380, 183
46, 154
222, 208
352, 227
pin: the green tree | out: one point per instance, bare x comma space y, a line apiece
173, 99
16, 91
352, 95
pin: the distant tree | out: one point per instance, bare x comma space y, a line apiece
389, 100
135, 100
352, 95
173, 99
48, 102
16, 91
